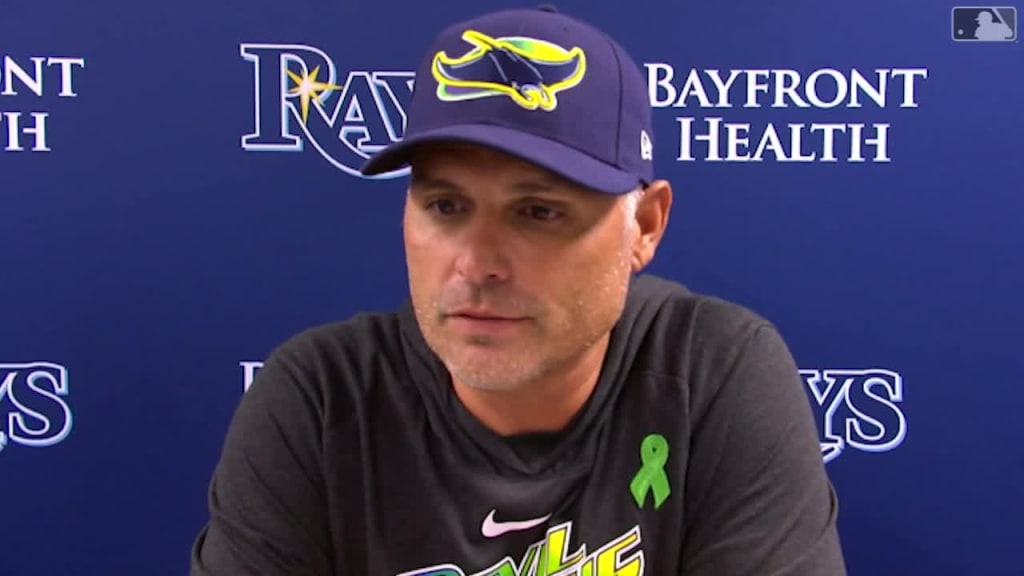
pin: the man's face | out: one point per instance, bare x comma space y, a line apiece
514, 273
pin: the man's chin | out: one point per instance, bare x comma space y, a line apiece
491, 371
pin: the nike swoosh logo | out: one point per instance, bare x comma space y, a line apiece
493, 529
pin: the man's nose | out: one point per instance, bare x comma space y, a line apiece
481, 252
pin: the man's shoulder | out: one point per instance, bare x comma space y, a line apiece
372, 329
692, 337
683, 314
340, 351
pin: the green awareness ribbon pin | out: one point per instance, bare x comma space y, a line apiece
651, 476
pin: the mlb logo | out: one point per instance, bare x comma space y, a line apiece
984, 23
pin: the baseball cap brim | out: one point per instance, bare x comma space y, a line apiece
571, 164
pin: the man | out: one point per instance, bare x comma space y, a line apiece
538, 407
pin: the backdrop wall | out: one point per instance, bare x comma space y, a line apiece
850, 170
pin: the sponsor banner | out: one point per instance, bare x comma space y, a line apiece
716, 106
301, 98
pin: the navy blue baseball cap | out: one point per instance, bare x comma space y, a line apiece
539, 85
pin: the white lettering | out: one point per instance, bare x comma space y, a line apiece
796, 132
861, 84
822, 88
696, 87
686, 135
14, 70
828, 147
754, 86
29, 76
880, 142
66, 88
908, 85
796, 142
734, 140
723, 86
660, 76
15, 130
249, 373
811, 89
38, 416
786, 84
857, 408
770, 141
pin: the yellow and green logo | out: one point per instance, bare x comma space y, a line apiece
529, 71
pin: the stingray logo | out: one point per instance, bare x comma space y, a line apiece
529, 71
299, 98
858, 409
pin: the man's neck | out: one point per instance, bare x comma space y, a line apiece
542, 406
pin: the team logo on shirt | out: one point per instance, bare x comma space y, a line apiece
528, 70
550, 555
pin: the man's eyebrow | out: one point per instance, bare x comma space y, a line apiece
421, 181
530, 185
541, 184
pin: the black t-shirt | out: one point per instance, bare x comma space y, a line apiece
696, 455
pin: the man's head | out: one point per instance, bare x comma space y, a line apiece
490, 235
532, 199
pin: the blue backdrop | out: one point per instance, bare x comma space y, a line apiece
850, 170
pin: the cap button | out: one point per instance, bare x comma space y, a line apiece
547, 8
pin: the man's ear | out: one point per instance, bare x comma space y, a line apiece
652, 213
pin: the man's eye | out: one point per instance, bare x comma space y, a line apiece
443, 206
540, 212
